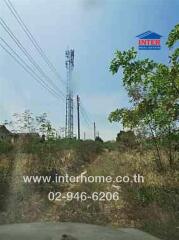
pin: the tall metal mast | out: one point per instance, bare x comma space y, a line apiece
69, 96
78, 115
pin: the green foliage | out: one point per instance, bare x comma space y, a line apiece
153, 89
163, 196
128, 117
99, 139
85, 151
5, 147
88, 150
121, 59
127, 139
173, 36
45, 127
111, 146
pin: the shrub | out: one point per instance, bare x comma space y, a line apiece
87, 150
5, 147
128, 139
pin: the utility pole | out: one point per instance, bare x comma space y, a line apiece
84, 136
69, 95
94, 130
78, 115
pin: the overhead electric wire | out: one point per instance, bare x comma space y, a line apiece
85, 113
28, 69
30, 58
85, 120
32, 39
84, 116
55, 90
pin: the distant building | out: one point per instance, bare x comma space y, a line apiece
25, 137
5, 134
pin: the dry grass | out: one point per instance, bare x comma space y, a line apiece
152, 205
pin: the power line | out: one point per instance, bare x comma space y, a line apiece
32, 39
85, 119
30, 58
88, 120
28, 69
86, 113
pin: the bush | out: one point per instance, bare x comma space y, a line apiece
127, 139
98, 139
5, 147
87, 150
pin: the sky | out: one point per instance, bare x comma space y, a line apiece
95, 29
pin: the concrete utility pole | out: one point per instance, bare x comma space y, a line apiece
94, 130
69, 97
84, 136
78, 115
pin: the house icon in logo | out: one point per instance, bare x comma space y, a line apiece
149, 41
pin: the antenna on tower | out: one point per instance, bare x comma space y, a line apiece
69, 54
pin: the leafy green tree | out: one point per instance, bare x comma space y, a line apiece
126, 139
153, 91
45, 127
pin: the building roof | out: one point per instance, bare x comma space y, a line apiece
5, 130
24, 135
149, 35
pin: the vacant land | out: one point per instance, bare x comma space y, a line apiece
152, 206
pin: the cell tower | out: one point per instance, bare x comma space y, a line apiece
69, 96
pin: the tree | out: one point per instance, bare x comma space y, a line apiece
42, 123
153, 91
98, 139
22, 122
126, 138
25, 122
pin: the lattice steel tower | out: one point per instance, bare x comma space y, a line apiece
69, 96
